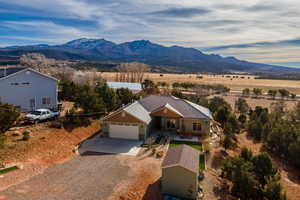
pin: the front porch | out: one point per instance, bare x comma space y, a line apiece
180, 128
167, 121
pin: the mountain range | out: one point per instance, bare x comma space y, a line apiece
186, 59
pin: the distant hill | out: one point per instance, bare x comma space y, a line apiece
186, 59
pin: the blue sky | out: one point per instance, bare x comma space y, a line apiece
265, 31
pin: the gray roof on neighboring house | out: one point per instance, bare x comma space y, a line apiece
12, 71
138, 111
6, 71
186, 108
130, 86
184, 156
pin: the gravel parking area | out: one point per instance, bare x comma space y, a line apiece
84, 178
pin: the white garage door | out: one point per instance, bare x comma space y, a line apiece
124, 132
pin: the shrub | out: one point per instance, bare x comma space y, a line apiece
241, 106
255, 129
8, 116
227, 142
16, 134
257, 92
243, 120
26, 135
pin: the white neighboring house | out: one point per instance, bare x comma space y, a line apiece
27, 89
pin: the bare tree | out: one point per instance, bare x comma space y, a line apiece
62, 72
131, 72
36, 61
58, 69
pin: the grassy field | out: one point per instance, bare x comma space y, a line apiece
194, 145
248, 81
202, 162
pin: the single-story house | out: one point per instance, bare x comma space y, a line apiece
27, 89
134, 87
180, 172
158, 113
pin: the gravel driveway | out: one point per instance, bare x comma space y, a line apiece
110, 146
84, 178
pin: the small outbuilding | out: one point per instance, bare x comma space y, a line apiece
180, 171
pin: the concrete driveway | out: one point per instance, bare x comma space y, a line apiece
110, 146
84, 178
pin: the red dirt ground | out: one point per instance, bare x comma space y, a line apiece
144, 184
46, 147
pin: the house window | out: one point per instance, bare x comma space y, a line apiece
46, 101
196, 126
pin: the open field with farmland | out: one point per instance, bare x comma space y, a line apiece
253, 102
237, 84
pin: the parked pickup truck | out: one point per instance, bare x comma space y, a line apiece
41, 115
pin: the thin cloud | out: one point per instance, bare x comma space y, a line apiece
181, 12
295, 42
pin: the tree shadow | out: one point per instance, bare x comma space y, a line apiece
222, 192
153, 191
293, 174
252, 139
217, 159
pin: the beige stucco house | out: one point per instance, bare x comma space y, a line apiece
180, 171
155, 112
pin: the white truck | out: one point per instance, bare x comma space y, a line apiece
41, 115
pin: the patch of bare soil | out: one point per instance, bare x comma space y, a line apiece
289, 175
46, 147
144, 184
212, 181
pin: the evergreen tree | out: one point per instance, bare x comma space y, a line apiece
241, 106
125, 96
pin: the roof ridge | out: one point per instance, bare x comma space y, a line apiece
191, 105
30, 69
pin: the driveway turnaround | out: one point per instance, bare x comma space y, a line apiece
84, 178
110, 146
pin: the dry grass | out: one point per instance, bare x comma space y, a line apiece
46, 147
232, 83
253, 102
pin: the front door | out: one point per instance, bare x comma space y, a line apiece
171, 124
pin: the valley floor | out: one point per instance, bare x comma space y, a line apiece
235, 84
